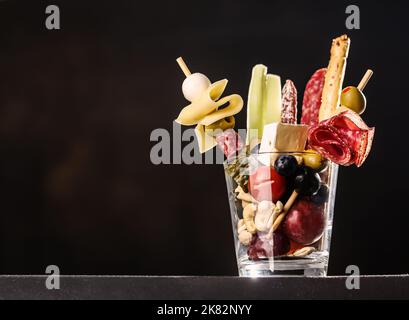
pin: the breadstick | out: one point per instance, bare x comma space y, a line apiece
334, 77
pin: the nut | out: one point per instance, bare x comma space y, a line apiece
248, 217
245, 237
276, 218
244, 203
277, 210
244, 196
264, 216
241, 226
303, 252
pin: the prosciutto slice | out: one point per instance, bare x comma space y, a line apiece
230, 143
344, 139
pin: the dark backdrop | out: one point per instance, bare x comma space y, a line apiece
77, 107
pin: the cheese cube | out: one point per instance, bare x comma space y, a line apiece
281, 137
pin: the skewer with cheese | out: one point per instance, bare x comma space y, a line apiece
208, 111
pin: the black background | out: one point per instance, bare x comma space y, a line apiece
77, 106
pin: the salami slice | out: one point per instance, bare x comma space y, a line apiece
312, 98
230, 143
344, 139
289, 103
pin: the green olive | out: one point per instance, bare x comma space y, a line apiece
313, 160
223, 124
353, 99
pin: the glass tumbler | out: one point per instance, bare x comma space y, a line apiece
280, 230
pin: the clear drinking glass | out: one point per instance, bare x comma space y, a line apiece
275, 253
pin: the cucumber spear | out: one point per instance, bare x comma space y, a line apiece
264, 103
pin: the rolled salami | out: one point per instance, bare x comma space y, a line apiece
344, 139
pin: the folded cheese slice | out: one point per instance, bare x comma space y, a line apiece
218, 121
204, 140
203, 106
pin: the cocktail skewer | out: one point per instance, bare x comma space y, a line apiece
183, 66
365, 80
286, 208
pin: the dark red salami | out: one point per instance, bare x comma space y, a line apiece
289, 103
230, 143
344, 139
312, 98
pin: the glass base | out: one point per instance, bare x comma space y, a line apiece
315, 265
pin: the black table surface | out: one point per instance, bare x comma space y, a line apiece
177, 287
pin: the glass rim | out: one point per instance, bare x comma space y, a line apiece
241, 155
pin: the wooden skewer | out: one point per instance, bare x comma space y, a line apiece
286, 208
183, 66
365, 80
290, 201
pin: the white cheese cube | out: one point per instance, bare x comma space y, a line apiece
280, 137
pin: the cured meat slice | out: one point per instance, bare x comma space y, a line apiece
312, 98
289, 103
230, 142
344, 139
